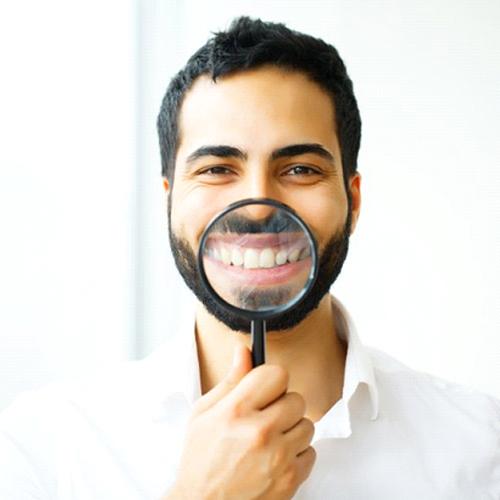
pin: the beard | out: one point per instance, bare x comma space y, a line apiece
331, 260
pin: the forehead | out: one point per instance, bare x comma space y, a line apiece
256, 109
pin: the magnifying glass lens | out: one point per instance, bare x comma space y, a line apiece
257, 257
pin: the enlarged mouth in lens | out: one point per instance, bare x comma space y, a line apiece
258, 259
254, 251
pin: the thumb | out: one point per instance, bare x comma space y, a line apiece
241, 365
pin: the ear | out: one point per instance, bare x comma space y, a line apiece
166, 187
355, 188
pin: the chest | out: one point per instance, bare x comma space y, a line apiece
379, 461
387, 464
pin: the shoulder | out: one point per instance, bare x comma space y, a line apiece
121, 394
394, 375
431, 402
40, 427
126, 391
46, 408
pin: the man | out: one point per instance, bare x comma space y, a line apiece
259, 111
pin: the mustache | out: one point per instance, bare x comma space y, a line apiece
277, 222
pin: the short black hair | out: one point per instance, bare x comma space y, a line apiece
251, 43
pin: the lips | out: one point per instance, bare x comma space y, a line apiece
223, 276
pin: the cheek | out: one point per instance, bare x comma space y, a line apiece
191, 212
325, 213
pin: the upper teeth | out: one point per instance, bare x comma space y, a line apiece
236, 257
252, 258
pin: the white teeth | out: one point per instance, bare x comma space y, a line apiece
225, 256
251, 259
294, 255
280, 257
306, 252
236, 257
266, 258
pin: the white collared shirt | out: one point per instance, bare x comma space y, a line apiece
395, 433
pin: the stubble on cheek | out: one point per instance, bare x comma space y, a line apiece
188, 216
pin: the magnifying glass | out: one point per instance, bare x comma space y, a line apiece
258, 259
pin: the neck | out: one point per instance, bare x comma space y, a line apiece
312, 352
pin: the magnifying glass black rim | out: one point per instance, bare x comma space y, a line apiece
271, 313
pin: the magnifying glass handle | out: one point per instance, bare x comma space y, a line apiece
258, 330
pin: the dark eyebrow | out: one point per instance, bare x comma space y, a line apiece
224, 151
301, 149
220, 151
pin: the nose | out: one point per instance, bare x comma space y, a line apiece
258, 212
260, 183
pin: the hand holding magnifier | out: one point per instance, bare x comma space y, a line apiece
258, 259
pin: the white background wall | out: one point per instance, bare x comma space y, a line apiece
86, 279
67, 160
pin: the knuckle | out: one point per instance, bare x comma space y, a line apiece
308, 460
279, 459
309, 426
289, 479
260, 437
298, 402
234, 411
304, 426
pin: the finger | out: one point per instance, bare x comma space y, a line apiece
241, 365
294, 475
260, 387
285, 412
300, 436
304, 462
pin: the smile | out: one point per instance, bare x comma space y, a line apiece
262, 251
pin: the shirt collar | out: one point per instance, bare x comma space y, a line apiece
174, 373
336, 423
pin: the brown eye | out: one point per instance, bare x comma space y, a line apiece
301, 170
217, 170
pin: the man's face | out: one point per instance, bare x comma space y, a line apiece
260, 133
